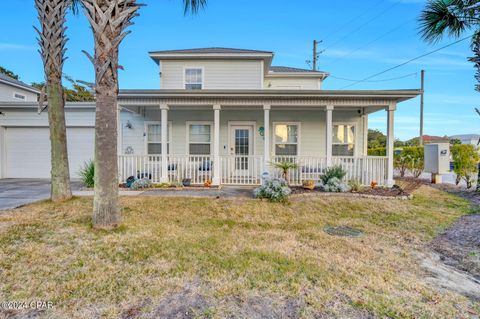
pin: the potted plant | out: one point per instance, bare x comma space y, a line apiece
308, 184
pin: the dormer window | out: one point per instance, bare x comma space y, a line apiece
193, 78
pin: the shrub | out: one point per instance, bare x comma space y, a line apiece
87, 174
141, 184
378, 151
335, 185
273, 189
331, 172
415, 159
355, 185
465, 163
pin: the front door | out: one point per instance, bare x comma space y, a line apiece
241, 145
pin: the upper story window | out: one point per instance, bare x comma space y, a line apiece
19, 96
287, 139
343, 140
193, 78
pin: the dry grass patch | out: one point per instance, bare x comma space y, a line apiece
240, 257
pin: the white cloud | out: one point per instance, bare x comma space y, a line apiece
4, 46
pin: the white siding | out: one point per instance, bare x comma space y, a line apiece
312, 128
292, 83
7, 94
218, 74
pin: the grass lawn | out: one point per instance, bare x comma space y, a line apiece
239, 258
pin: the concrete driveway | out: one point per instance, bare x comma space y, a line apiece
17, 192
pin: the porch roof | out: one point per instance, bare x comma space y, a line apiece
313, 98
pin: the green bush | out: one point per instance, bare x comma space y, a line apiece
414, 159
273, 189
465, 163
284, 167
378, 151
87, 174
336, 171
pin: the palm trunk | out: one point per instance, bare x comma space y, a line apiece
476, 60
51, 15
106, 209
60, 187
108, 20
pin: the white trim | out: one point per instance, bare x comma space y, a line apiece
242, 123
3, 152
145, 137
299, 139
185, 67
33, 90
17, 93
187, 128
355, 143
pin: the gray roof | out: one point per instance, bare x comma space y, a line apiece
6, 79
466, 136
213, 50
287, 69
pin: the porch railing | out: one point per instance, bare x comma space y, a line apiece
247, 170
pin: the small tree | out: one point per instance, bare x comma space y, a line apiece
284, 167
465, 163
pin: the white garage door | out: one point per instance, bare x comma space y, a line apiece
28, 151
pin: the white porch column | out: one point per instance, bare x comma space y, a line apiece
365, 134
266, 137
216, 180
390, 143
328, 133
164, 141
119, 131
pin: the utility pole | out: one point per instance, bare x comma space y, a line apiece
421, 106
315, 54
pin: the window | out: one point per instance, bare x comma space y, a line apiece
343, 140
19, 96
193, 79
154, 139
199, 138
286, 139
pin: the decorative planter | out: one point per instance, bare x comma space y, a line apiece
308, 184
186, 182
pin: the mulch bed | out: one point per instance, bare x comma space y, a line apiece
368, 191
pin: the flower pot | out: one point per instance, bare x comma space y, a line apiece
187, 181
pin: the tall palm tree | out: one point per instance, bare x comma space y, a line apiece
52, 40
453, 18
109, 20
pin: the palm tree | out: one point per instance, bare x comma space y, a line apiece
454, 18
109, 20
52, 40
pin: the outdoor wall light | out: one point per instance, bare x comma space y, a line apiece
129, 125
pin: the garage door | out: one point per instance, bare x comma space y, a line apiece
28, 151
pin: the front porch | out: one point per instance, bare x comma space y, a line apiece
233, 137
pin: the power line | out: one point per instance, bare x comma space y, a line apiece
369, 43
406, 62
376, 81
353, 20
365, 24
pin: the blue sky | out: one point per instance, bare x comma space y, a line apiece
361, 38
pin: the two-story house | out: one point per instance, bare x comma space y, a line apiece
226, 115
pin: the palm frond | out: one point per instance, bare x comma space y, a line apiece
442, 17
193, 6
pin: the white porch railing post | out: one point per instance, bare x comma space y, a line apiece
390, 143
365, 134
266, 137
164, 137
328, 133
216, 180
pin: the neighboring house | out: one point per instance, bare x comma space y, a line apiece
16, 91
467, 138
429, 139
220, 114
